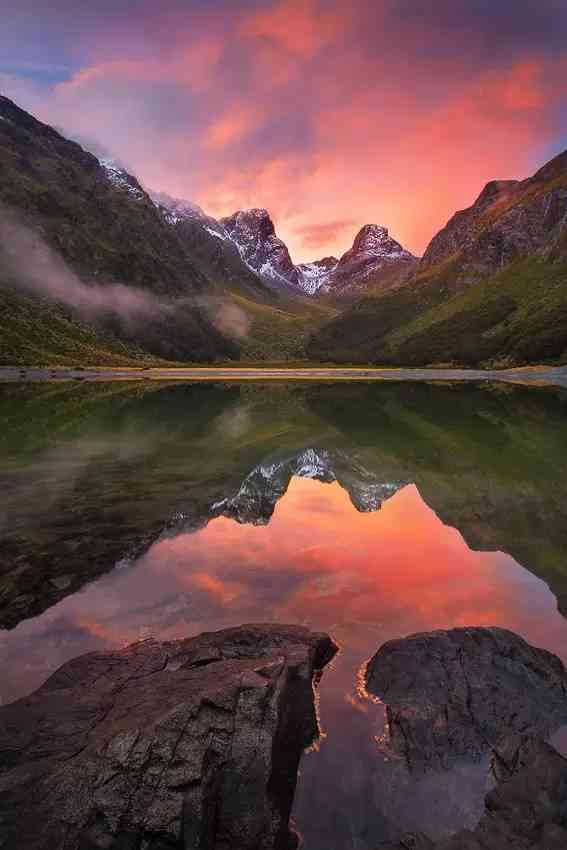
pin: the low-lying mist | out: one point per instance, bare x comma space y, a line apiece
188, 327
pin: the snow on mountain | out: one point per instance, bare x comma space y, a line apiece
176, 209
374, 259
256, 498
262, 250
120, 178
375, 256
314, 276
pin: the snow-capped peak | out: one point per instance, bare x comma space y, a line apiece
120, 178
313, 276
375, 239
176, 209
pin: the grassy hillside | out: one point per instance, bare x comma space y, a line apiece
514, 317
491, 288
108, 231
280, 332
34, 332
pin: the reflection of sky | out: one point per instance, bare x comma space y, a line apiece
365, 578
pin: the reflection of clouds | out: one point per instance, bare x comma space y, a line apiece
363, 577
233, 423
35, 489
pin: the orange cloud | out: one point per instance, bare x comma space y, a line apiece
224, 591
317, 237
300, 27
197, 64
323, 113
232, 127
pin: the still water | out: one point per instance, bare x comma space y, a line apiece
367, 511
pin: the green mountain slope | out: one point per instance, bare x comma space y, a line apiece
34, 332
491, 287
203, 302
109, 232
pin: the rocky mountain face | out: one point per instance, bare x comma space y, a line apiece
192, 743
491, 287
253, 232
97, 215
374, 261
212, 249
508, 220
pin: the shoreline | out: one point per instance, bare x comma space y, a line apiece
526, 375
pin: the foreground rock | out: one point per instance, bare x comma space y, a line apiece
456, 694
185, 744
526, 811
461, 694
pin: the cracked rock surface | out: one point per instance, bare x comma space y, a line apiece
183, 744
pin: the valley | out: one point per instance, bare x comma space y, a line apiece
96, 270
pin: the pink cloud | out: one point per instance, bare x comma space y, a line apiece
322, 113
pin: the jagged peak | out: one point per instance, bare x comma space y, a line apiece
369, 236
256, 218
375, 239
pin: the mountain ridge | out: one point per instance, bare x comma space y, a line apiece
154, 276
490, 290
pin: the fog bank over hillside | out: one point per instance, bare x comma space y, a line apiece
30, 265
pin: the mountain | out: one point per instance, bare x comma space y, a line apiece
257, 496
144, 460
89, 228
491, 287
375, 261
215, 254
253, 232
94, 269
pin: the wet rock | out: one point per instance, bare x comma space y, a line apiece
526, 811
459, 694
453, 695
186, 744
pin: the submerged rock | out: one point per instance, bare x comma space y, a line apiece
526, 811
187, 744
456, 694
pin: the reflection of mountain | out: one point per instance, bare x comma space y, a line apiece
95, 473
257, 496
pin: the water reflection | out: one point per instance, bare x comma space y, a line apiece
277, 506
364, 577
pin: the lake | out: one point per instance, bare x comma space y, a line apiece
369, 511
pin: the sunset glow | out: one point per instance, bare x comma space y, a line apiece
329, 114
363, 577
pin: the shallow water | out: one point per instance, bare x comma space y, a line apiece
369, 512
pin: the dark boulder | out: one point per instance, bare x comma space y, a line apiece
456, 694
471, 693
187, 744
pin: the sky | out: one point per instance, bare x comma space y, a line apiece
331, 114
